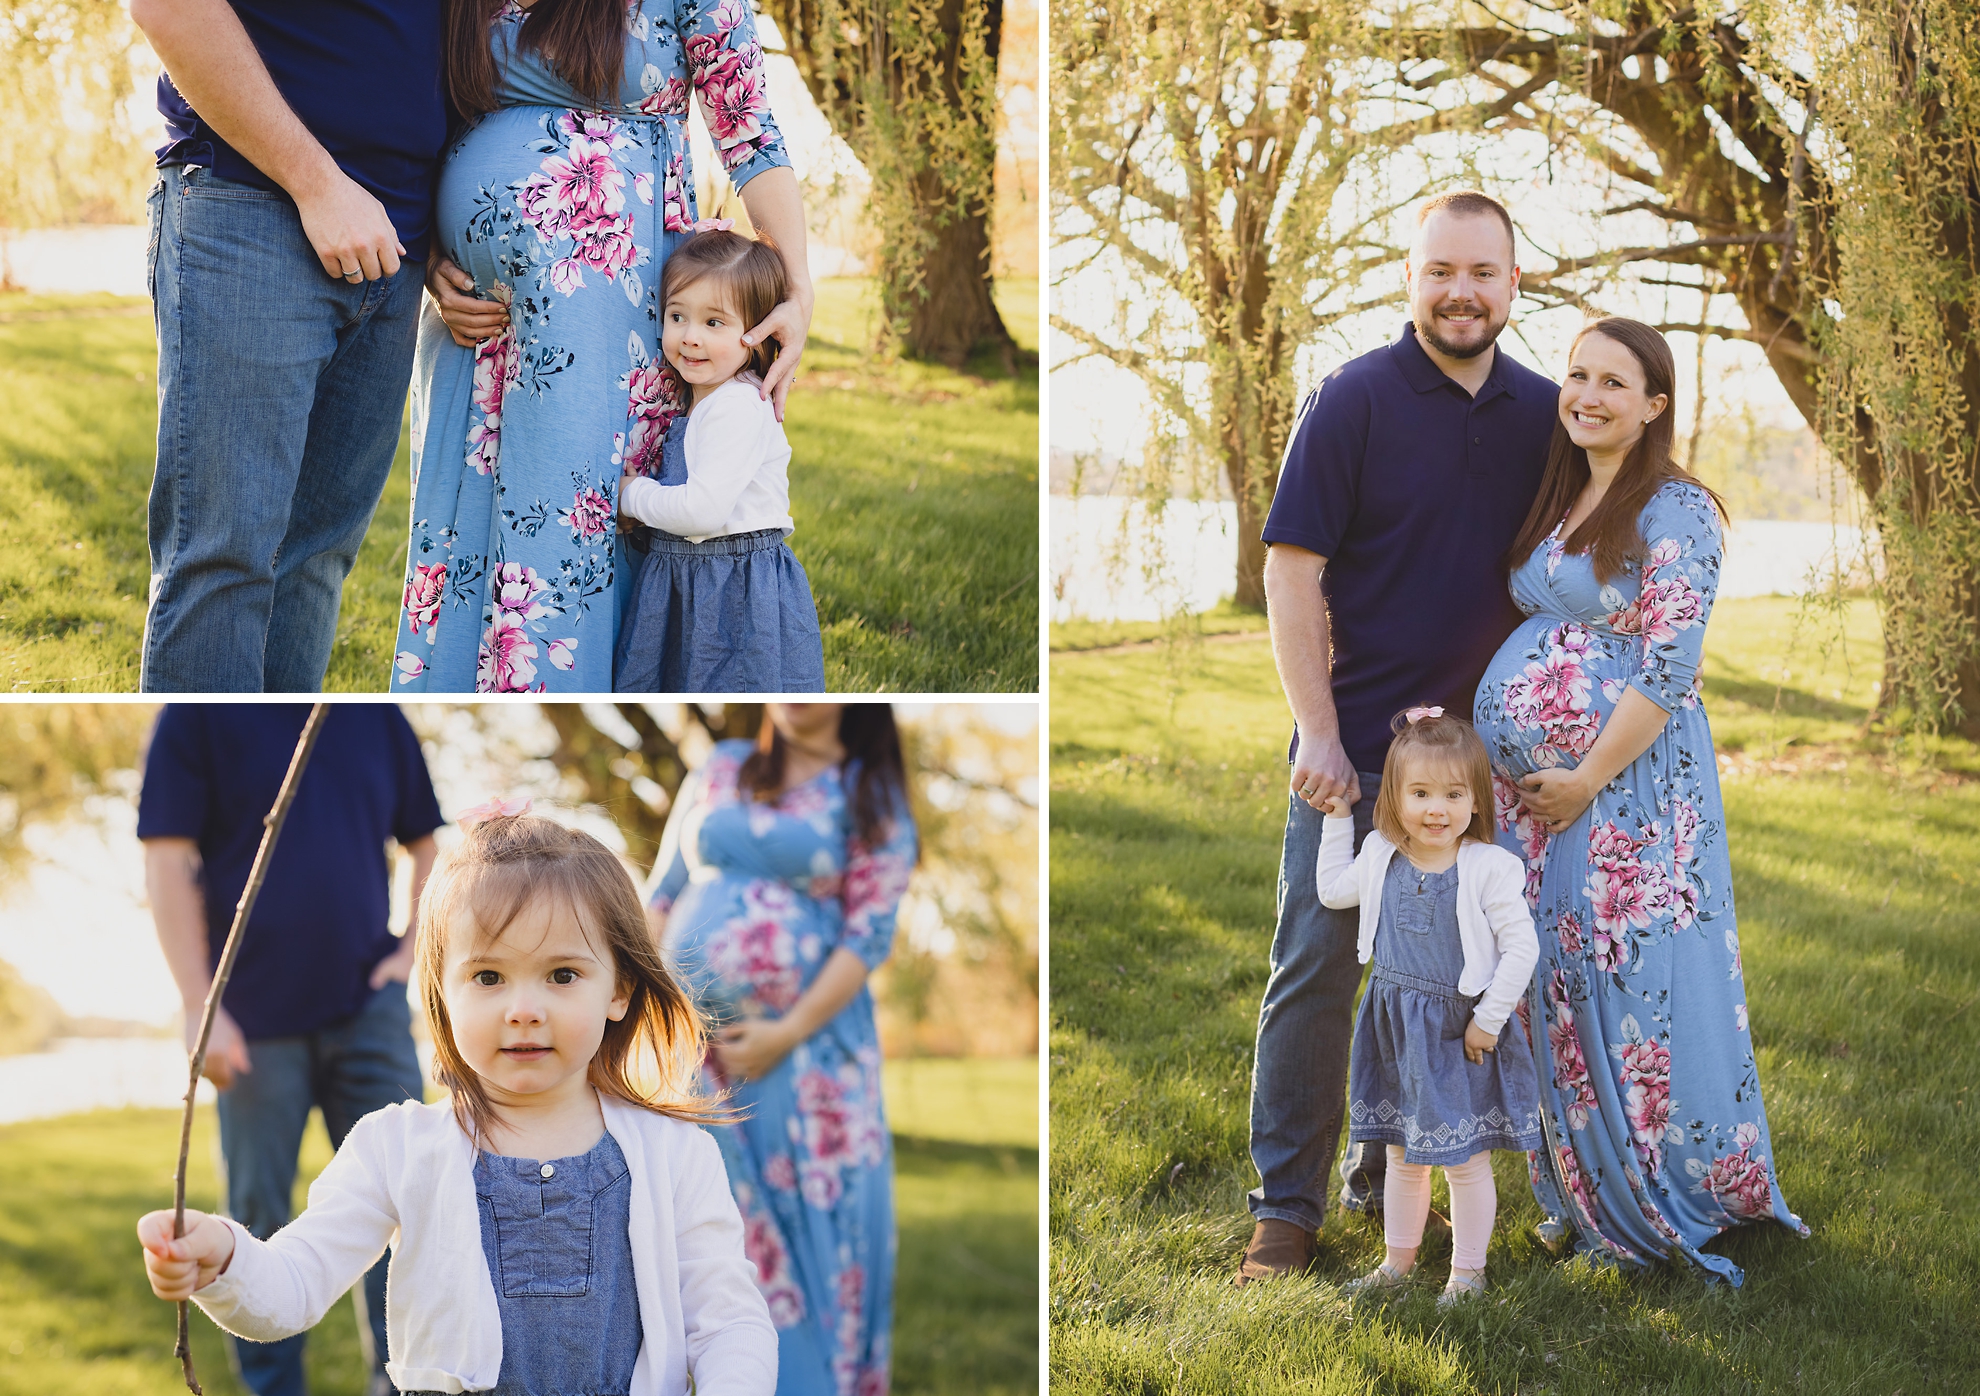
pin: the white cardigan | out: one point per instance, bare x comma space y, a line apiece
738, 464
407, 1171
1500, 948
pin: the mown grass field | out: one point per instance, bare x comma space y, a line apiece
1857, 875
915, 491
77, 1318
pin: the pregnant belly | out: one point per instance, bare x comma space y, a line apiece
749, 945
507, 207
1548, 691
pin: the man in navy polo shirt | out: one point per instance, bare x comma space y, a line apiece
1405, 481
288, 231
316, 1010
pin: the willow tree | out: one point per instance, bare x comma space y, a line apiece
911, 87
1815, 167
1218, 162
67, 151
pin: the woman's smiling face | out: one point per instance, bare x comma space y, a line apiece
1604, 402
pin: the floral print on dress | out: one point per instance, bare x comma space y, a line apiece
566, 209
758, 895
1639, 983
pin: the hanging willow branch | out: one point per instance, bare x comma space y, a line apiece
271, 831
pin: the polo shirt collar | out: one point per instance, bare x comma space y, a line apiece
1423, 375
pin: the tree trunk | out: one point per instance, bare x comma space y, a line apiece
955, 313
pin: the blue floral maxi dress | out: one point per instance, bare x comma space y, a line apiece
758, 896
514, 576
1655, 1139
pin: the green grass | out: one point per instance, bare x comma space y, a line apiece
915, 490
77, 1318
1855, 877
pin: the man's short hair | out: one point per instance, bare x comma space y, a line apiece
1469, 203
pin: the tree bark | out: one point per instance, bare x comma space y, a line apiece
914, 94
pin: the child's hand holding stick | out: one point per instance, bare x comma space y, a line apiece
198, 1255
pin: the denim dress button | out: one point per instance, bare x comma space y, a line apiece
549, 1170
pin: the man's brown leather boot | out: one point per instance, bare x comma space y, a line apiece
1277, 1248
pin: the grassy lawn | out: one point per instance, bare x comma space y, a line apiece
77, 1318
1855, 875
915, 490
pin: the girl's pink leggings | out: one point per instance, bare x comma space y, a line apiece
1474, 1201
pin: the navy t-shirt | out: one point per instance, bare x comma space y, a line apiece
320, 925
364, 76
1412, 490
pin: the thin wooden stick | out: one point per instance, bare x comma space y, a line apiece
271, 831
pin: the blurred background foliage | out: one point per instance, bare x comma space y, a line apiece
963, 980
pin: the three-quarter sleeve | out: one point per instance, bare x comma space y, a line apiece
1685, 547
670, 869
874, 882
726, 64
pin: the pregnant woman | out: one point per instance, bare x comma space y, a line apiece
562, 199
778, 882
1655, 1140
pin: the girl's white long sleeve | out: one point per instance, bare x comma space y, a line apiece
1503, 900
1339, 882
733, 443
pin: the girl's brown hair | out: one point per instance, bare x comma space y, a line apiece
583, 41
873, 744
1448, 742
1612, 532
750, 272
652, 1056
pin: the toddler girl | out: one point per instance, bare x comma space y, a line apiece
1454, 947
562, 1225
721, 604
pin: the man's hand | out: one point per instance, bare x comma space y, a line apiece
226, 1049
349, 229
1477, 1042
395, 968
751, 1049
176, 1268
788, 323
469, 318
1322, 772
1556, 797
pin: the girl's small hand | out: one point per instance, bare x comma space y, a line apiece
1339, 807
752, 1048
1556, 797
176, 1268
1477, 1042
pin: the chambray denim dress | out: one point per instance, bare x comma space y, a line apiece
1408, 1080
557, 1237
725, 615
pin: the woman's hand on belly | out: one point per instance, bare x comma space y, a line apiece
1556, 797
753, 1048
467, 317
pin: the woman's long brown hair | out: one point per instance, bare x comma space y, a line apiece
1613, 532
583, 41
652, 1056
872, 741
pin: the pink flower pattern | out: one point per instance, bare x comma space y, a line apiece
566, 215
1634, 1001
762, 893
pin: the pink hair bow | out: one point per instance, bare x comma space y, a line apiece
497, 808
714, 225
1418, 714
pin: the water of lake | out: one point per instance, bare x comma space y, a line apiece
1112, 559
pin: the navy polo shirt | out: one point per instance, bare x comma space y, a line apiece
1412, 490
364, 76
320, 925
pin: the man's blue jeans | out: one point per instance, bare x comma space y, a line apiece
348, 1070
280, 393
1299, 1073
